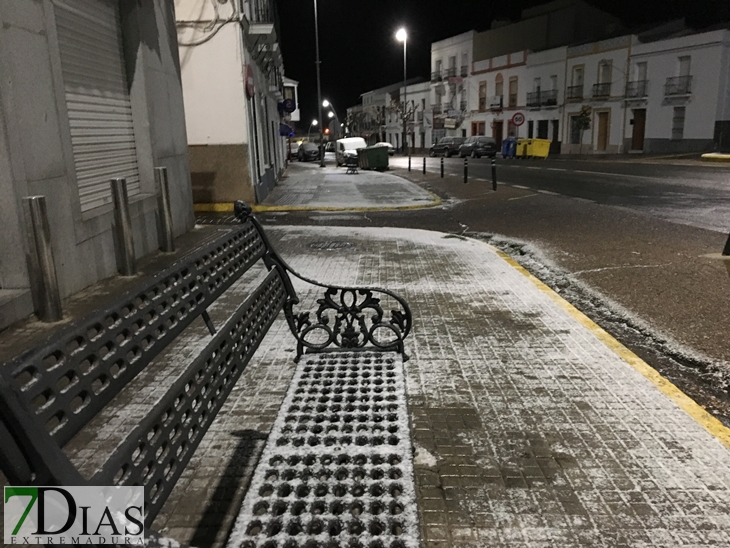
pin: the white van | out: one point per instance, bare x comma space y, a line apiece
348, 147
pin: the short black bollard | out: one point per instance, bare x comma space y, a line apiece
494, 174
442, 167
424, 165
466, 169
409, 162
726, 251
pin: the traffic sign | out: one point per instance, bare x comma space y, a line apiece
518, 119
289, 105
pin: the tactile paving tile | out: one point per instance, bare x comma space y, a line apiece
337, 470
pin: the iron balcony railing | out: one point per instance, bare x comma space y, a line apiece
462, 105
451, 72
602, 89
542, 98
512, 99
261, 11
464, 71
678, 85
437, 109
533, 98
436, 76
574, 92
419, 116
447, 107
637, 88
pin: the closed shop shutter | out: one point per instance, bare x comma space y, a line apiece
97, 97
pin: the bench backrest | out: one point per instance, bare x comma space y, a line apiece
48, 394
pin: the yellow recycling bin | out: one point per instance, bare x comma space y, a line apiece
538, 148
522, 145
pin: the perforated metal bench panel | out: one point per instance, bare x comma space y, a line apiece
337, 469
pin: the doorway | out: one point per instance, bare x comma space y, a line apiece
602, 143
637, 134
497, 132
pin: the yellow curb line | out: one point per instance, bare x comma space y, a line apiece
714, 157
228, 207
687, 404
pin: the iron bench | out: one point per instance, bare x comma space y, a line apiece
50, 393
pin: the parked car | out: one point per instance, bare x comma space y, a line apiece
391, 148
308, 152
447, 146
478, 146
348, 148
329, 146
294, 149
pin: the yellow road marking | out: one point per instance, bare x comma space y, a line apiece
687, 404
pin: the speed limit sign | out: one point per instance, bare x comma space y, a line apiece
518, 119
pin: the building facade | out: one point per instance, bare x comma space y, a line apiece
450, 69
90, 91
233, 85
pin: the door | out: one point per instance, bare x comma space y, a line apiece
497, 130
637, 135
97, 98
602, 131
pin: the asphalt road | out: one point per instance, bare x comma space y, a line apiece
678, 191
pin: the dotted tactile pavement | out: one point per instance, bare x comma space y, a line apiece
337, 469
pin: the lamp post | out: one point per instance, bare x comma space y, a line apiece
402, 36
315, 124
319, 88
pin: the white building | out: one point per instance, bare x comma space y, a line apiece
420, 118
678, 97
450, 63
232, 76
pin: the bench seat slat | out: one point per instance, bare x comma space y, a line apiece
157, 451
77, 371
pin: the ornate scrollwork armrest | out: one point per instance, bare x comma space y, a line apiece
349, 318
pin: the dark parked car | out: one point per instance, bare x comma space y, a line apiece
447, 146
308, 152
478, 146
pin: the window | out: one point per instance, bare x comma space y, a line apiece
482, 96
575, 133
604, 72
678, 124
530, 129
499, 86
578, 75
536, 84
684, 65
640, 69
513, 91
554, 82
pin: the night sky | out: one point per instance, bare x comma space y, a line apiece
358, 50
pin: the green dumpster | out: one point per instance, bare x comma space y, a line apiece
375, 157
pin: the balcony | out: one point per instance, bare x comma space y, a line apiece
637, 89
451, 72
602, 89
464, 71
462, 105
575, 93
542, 98
678, 85
446, 107
512, 100
261, 31
419, 116
436, 76
437, 109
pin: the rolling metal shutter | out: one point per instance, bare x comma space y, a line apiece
97, 97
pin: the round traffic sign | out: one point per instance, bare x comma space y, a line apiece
518, 119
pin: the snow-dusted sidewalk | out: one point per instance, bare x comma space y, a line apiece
529, 429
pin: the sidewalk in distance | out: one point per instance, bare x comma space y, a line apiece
308, 186
529, 429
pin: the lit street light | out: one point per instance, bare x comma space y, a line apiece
332, 113
315, 124
402, 36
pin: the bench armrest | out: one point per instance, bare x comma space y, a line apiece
350, 318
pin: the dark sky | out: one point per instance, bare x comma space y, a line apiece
358, 50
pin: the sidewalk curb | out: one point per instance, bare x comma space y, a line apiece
715, 157
684, 402
227, 207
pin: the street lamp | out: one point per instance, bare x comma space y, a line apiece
319, 88
402, 36
315, 124
332, 113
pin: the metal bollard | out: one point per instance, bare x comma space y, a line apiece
494, 174
123, 228
442, 167
726, 250
466, 169
409, 162
46, 296
167, 238
424, 165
